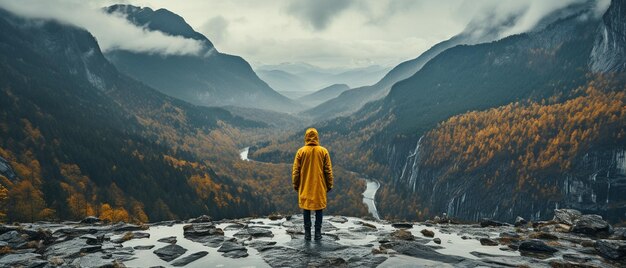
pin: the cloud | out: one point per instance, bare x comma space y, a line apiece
317, 14
216, 28
112, 31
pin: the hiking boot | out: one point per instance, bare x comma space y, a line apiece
318, 233
307, 233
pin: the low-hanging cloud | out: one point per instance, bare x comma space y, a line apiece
318, 14
112, 31
506, 18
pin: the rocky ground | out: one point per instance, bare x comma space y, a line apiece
569, 240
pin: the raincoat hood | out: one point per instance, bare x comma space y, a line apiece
311, 138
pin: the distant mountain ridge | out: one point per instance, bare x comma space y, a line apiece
85, 139
210, 78
476, 32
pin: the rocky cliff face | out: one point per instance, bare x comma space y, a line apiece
596, 184
609, 51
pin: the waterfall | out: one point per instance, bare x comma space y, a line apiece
410, 170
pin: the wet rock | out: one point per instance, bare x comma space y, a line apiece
338, 219
70, 249
437, 241
485, 222
230, 246
14, 239
127, 227
260, 245
488, 242
97, 259
619, 233
402, 225
566, 216
509, 235
189, 259
22, 260
235, 254
201, 219
92, 239
275, 217
535, 245
519, 221
543, 235
90, 220
421, 251
169, 240
147, 247
214, 241
170, 252
402, 234
612, 249
123, 238
198, 230
427, 233
234, 226
591, 225
139, 235
343, 234
254, 232
554, 227
588, 243
368, 225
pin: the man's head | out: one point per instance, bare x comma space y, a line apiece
311, 137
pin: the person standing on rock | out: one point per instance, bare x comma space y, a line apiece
312, 178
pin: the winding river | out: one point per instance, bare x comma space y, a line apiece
369, 196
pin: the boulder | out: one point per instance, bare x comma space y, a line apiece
22, 260
201, 230
612, 249
189, 259
437, 241
488, 242
90, 220
169, 240
402, 225
338, 219
485, 222
535, 245
427, 233
202, 219
260, 245
402, 234
170, 252
566, 216
275, 217
418, 250
543, 235
14, 239
519, 221
230, 246
591, 225
254, 232
147, 247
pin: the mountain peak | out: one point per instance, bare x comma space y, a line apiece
161, 20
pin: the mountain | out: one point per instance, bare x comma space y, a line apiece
84, 139
323, 94
477, 31
480, 130
541, 66
210, 78
292, 77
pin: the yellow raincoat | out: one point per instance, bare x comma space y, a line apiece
312, 173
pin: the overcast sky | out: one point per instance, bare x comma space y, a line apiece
327, 33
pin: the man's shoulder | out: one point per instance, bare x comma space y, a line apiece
324, 149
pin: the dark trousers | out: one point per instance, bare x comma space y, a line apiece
318, 218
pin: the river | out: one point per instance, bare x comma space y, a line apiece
369, 196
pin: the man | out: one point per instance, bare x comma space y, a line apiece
312, 178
